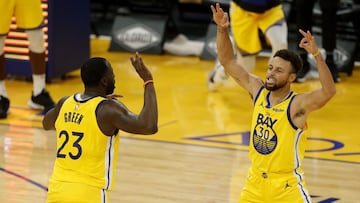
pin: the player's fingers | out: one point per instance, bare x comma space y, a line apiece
301, 45
217, 6
302, 32
226, 16
303, 42
212, 8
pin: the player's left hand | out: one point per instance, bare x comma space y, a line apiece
308, 42
140, 67
220, 17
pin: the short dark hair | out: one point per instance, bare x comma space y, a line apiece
291, 56
93, 70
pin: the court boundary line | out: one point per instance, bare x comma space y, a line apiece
39, 185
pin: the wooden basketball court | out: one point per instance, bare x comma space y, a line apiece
200, 152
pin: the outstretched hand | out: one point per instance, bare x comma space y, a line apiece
140, 67
308, 42
220, 17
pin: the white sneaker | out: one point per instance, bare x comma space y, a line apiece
311, 75
217, 77
182, 46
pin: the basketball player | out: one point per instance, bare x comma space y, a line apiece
277, 139
247, 18
87, 126
29, 17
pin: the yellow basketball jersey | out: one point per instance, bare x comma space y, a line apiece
84, 153
276, 144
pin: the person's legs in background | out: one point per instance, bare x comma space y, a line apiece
217, 77
4, 101
328, 27
277, 35
243, 25
304, 21
29, 17
40, 98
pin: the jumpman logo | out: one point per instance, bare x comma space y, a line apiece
287, 185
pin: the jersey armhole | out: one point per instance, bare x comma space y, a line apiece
289, 115
116, 131
257, 95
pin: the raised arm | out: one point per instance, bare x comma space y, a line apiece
226, 57
149, 112
318, 98
115, 115
305, 103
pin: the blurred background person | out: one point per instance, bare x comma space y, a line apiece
304, 21
247, 19
29, 17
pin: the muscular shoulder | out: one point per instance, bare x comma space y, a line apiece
300, 100
60, 103
111, 106
109, 112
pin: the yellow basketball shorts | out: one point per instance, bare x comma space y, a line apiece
66, 192
245, 26
274, 188
28, 14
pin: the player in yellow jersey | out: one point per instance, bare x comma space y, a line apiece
277, 139
87, 126
29, 17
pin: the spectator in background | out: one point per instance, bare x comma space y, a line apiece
247, 18
304, 21
29, 17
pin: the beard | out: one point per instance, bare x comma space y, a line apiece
275, 86
110, 87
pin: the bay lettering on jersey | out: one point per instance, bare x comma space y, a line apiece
267, 121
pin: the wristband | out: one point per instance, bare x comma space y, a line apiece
147, 82
316, 53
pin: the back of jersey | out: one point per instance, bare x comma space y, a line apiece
84, 153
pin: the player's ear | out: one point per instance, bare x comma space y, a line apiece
292, 77
103, 81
